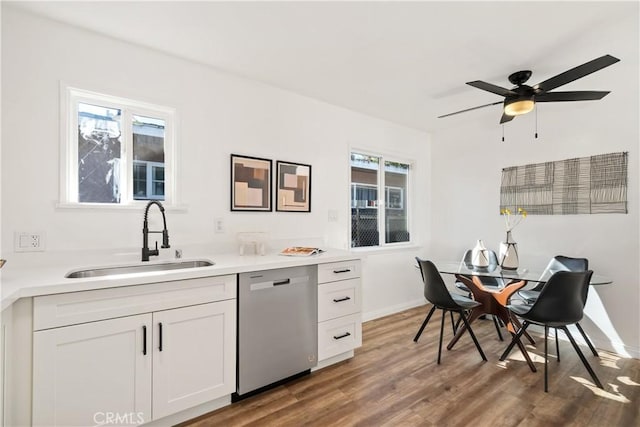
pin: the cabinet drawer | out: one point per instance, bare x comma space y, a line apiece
342, 270
338, 299
339, 335
52, 311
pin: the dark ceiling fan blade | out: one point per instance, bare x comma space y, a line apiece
506, 118
586, 95
576, 73
470, 109
498, 90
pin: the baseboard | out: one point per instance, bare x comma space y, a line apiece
375, 314
191, 414
333, 360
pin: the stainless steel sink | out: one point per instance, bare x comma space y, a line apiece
138, 268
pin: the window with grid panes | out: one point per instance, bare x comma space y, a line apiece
379, 200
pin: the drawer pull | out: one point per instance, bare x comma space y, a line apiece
341, 299
144, 340
346, 270
339, 337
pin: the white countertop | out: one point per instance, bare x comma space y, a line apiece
23, 279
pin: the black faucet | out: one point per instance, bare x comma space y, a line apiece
146, 252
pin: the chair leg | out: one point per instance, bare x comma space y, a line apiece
458, 322
453, 324
424, 324
514, 340
495, 322
557, 345
516, 322
584, 359
444, 314
473, 336
588, 341
546, 358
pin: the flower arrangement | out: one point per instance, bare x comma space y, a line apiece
511, 219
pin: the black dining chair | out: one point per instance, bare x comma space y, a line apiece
560, 303
436, 292
560, 263
488, 282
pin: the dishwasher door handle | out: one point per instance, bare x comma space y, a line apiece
281, 282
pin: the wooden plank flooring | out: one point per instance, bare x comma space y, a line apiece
393, 381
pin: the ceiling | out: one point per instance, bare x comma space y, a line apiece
405, 62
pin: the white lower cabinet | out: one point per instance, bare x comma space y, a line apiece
339, 309
133, 369
193, 365
339, 335
83, 374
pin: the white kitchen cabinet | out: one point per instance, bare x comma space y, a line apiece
339, 309
195, 361
139, 367
5, 362
84, 373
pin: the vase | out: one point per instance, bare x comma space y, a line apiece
509, 253
479, 255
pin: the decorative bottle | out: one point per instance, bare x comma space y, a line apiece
509, 253
479, 256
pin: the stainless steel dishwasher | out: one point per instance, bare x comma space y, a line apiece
277, 326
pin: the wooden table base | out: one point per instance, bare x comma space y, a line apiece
494, 302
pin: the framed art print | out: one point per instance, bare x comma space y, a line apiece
293, 187
250, 183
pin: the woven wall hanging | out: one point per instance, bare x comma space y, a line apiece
586, 185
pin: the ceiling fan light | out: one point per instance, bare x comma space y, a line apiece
518, 106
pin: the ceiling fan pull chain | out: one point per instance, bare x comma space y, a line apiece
503, 132
536, 136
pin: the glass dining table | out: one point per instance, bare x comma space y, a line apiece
495, 300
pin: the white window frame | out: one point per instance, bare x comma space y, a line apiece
69, 99
381, 205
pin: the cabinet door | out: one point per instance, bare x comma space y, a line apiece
93, 373
194, 356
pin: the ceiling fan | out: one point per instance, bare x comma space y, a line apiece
522, 98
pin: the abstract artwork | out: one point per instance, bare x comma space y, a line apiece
293, 191
586, 185
250, 183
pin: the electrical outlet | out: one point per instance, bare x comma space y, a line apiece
218, 225
24, 241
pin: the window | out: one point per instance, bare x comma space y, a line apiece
377, 213
116, 151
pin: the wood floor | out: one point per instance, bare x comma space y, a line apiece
393, 381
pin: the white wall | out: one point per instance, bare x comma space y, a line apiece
470, 158
219, 114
